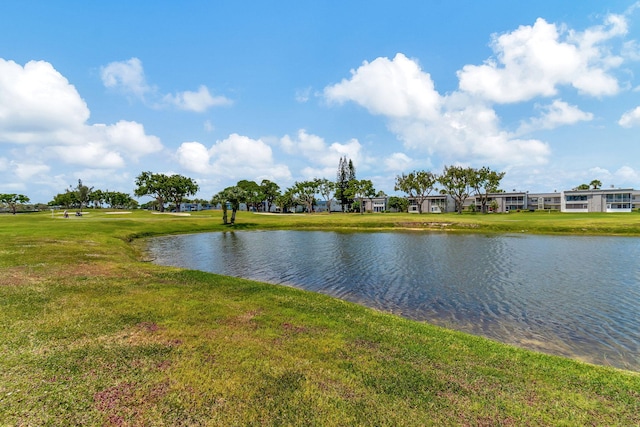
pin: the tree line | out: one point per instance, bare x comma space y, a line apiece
163, 188
346, 189
457, 181
82, 196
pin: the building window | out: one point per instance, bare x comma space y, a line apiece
619, 206
619, 198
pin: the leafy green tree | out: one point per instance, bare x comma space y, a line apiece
400, 204
456, 180
154, 185
97, 198
595, 184
118, 200
286, 201
326, 189
178, 187
485, 181
13, 200
67, 200
254, 195
270, 191
583, 187
305, 192
417, 185
359, 189
83, 194
163, 188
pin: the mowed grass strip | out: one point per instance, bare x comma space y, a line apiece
92, 335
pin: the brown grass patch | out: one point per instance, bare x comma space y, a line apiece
125, 403
18, 276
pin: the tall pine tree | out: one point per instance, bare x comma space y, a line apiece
346, 173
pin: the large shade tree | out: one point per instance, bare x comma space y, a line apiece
154, 185
400, 204
253, 194
12, 201
286, 201
67, 200
305, 192
270, 191
417, 185
326, 189
165, 188
118, 200
83, 194
179, 187
485, 181
456, 181
359, 189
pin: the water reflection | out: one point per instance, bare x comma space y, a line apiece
573, 296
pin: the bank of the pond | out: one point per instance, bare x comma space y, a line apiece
90, 335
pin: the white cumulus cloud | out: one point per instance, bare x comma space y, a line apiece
399, 162
195, 157
196, 101
236, 157
558, 113
324, 157
37, 100
393, 88
630, 118
128, 76
534, 60
25, 171
44, 114
457, 127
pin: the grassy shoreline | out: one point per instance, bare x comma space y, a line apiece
91, 335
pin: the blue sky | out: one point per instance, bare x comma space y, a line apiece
221, 91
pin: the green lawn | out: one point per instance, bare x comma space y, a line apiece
90, 334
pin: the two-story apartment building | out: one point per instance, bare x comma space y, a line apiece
439, 203
600, 200
607, 200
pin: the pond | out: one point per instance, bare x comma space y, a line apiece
573, 296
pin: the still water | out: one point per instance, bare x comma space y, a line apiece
572, 296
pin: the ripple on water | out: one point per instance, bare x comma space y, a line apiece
572, 296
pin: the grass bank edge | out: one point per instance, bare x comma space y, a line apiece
375, 357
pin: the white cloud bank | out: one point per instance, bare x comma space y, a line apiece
463, 126
40, 108
534, 60
395, 88
234, 158
558, 113
454, 126
128, 77
630, 118
324, 158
